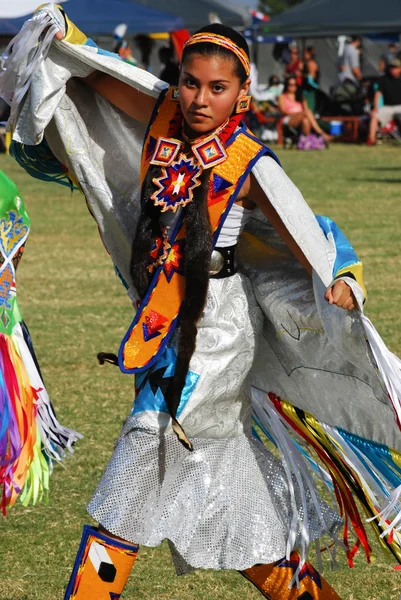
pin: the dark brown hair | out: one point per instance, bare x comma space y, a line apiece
198, 245
299, 96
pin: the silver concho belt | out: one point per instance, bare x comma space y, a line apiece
222, 263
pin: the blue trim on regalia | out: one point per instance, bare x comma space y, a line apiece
147, 400
345, 253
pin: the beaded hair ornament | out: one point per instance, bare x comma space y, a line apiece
225, 42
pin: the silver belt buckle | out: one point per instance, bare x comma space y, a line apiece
216, 262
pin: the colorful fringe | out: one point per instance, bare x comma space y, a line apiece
31, 438
355, 468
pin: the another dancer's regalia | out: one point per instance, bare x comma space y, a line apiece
31, 438
313, 374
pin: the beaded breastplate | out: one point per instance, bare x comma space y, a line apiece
230, 153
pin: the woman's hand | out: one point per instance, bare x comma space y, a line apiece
59, 35
341, 295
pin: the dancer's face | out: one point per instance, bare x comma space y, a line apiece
209, 89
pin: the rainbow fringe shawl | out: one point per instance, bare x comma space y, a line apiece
31, 438
354, 468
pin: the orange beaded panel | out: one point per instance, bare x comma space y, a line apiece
166, 122
162, 303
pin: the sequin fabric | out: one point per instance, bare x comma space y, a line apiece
226, 505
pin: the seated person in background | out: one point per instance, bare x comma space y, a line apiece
296, 113
261, 92
275, 88
392, 52
390, 90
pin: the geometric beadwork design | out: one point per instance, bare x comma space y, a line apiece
102, 562
174, 263
159, 253
209, 152
152, 385
101, 567
243, 104
7, 286
174, 188
166, 151
218, 187
176, 184
12, 231
154, 323
220, 184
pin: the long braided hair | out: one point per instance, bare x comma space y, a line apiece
198, 246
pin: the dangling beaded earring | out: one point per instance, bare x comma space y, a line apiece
243, 104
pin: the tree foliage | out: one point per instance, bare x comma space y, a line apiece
275, 7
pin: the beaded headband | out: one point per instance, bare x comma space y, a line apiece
221, 40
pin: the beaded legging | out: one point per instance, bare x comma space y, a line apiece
272, 581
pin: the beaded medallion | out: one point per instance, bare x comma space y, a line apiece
166, 151
176, 184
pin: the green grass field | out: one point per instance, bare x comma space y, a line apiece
75, 307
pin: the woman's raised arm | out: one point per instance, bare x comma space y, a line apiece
131, 101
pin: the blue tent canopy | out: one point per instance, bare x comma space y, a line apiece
102, 16
197, 13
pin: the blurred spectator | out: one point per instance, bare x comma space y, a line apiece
281, 52
311, 77
350, 62
262, 92
275, 88
392, 52
295, 66
295, 109
171, 71
390, 91
311, 71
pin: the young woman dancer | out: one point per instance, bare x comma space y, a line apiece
187, 467
212, 94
